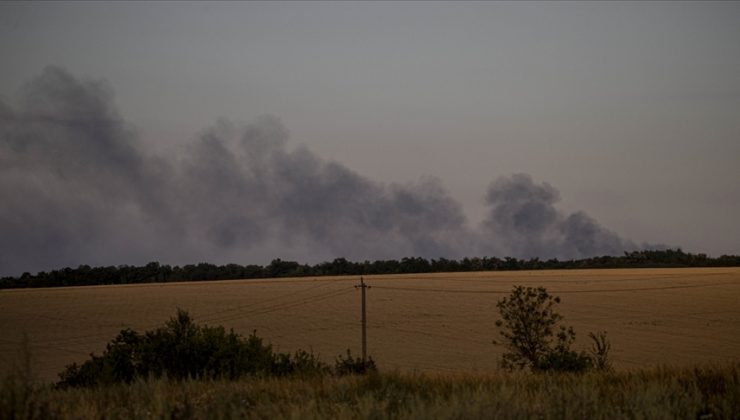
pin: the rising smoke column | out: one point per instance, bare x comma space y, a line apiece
79, 188
252, 189
75, 187
523, 222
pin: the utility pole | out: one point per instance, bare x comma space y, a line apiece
363, 286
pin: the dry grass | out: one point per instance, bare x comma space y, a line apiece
423, 322
707, 392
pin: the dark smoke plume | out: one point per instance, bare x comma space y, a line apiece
78, 188
524, 222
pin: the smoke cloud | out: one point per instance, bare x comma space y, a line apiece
524, 222
79, 188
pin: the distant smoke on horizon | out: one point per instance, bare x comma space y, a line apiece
79, 188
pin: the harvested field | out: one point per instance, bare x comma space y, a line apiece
423, 322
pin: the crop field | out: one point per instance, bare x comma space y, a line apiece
430, 323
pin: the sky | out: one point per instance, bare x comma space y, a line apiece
241, 132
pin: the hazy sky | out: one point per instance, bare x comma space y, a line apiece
629, 112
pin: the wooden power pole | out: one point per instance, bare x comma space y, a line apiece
362, 286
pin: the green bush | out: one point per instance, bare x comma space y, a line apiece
565, 360
302, 363
600, 351
348, 365
528, 324
182, 350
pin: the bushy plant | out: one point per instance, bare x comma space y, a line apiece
181, 350
302, 363
600, 351
528, 325
349, 365
565, 360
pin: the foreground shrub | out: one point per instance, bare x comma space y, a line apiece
182, 350
565, 360
348, 365
600, 351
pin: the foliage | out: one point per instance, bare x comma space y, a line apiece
565, 360
156, 272
528, 325
348, 365
182, 350
600, 351
301, 363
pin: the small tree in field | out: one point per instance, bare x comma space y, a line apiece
533, 338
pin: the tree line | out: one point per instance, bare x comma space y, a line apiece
155, 272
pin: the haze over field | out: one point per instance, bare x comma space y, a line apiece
246, 132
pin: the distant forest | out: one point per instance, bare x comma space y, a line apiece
155, 272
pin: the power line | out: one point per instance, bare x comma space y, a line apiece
640, 289
596, 278
432, 334
83, 340
504, 292
431, 290
286, 305
292, 304
210, 317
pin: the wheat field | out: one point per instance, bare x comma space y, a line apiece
422, 322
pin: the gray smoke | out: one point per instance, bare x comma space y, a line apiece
247, 188
524, 222
74, 185
78, 188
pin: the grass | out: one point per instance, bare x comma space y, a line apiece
702, 392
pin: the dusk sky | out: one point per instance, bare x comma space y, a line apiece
241, 132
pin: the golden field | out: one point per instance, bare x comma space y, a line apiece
420, 322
